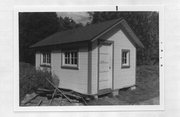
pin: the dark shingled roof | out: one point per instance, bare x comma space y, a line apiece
86, 33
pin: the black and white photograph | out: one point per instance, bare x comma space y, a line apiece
89, 58
83, 58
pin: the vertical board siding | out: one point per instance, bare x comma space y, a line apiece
75, 79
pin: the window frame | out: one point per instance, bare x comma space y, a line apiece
127, 58
70, 66
46, 59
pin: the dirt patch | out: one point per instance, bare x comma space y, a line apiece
153, 101
44, 101
117, 101
108, 101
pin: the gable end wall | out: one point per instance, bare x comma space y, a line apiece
123, 77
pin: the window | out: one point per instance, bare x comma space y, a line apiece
125, 58
70, 58
46, 58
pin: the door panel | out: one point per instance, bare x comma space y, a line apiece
105, 66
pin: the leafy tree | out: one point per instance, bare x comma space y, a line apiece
67, 23
34, 27
144, 24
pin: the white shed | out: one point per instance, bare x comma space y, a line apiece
91, 60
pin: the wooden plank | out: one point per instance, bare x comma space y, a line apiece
52, 97
39, 103
58, 90
31, 99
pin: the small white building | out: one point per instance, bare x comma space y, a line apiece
91, 60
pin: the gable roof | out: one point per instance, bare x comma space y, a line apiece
86, 33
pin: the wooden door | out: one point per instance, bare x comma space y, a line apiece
105, 66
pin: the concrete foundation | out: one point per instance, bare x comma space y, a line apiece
115, 92
95, 97
133, 88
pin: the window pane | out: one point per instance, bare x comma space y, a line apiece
65, 54
68, 54
68, 60
75, 61
75, 54
49, 58
65, 60
72, 54
125, 57
44, 58
71, 61
125, 61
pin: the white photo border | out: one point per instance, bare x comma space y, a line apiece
159, 8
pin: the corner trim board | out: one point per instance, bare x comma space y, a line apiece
89, 86
113, 65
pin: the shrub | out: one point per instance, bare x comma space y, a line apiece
31, 79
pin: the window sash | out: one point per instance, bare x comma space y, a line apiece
46, 58
70, 58
124, 61
125, 58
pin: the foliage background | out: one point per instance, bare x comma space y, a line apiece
34, 27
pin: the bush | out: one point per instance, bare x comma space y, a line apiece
31, 79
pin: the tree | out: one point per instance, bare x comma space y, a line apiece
34, 27
67, 23
144, 24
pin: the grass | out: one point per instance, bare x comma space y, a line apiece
147, 81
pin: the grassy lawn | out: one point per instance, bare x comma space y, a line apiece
147, 81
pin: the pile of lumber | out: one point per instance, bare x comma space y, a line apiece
69, 95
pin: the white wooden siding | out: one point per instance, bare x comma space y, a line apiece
123, 77
78, 79
75, 79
